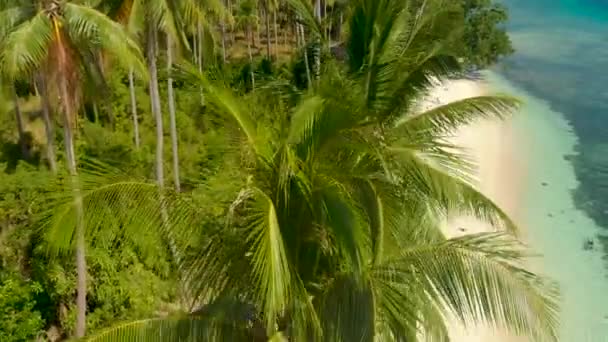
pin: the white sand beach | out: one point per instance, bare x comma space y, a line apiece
490, 144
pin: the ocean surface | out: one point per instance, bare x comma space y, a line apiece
560, 70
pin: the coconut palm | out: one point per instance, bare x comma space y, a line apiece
334, 234
247, 19
55, 37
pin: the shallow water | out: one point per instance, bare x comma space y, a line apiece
561, 71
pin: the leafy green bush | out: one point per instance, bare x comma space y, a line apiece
19, 320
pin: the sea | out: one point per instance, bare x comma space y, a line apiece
560, 71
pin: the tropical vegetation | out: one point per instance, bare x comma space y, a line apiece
309, 185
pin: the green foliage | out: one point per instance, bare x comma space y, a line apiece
485, 39
19, 319
333, 232
304, 215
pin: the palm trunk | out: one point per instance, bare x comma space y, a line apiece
305, 49
325, 17
257, 33
173, 128
81, 263
276, 33
267, 21
285, 31
195, 47
20, 127
48, 125
330, 28
201, 41
340, 25
155, 103
317, 46
201, 60
223, 29
250, 34
134, 109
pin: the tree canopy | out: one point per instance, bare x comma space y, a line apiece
305, 210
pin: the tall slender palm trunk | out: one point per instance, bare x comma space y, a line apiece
305, 50
48, 125
20, 127
223, 29
134, 109
276, 33
195, 46
173, 127
267, 22
81, 263
201, 43
251, 73
156, 110
155, 103
317, 45
69, 116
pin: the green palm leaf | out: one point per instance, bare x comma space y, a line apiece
305, 13
445, 119
478, 278
428, 181
347, 309
10, 17
87, 24
271, 270
24, 49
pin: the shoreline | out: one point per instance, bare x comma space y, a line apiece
491, 144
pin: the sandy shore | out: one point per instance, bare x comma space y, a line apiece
490, 143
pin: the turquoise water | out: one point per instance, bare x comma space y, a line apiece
561, 71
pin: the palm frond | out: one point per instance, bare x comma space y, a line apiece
167, 16
346, 223
208, 325
399, 92
26, 46
12, 16
85, 23
271, 270
478, 278
347, 309
445, 187
444, 120
224, 102
117, 203
305, 14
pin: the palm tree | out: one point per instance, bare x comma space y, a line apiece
54, 36
247, 19
335, 232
